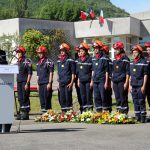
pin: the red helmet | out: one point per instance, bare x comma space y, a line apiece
98, 43
137, 48
147, 44
118, 45
84, 46
20, 49
64, 46
106, 48
41, 49
76, 49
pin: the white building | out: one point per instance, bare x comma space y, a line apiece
130, 30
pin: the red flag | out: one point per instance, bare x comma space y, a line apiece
84, 15
92, 14
101, 18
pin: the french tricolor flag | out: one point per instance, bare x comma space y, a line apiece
83, 15
92, 14
101, 18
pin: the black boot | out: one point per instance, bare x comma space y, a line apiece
64, 111
143, 119
138, 118
24, 115
18, 117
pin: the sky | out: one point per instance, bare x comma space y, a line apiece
132, 6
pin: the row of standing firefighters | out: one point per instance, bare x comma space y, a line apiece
96, 75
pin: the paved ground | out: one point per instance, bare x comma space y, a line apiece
71, 136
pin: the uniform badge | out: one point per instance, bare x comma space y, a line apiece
96, 64
81, 67
117, 67
62, 66
134, 70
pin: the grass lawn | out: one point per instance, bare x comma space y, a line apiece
35, 104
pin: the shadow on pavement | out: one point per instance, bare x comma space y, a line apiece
53, 130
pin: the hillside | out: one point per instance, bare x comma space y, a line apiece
65, 10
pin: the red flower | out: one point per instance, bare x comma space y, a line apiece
62, 115
62, 119
69, 117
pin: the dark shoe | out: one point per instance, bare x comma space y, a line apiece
143, 119
43, 110
90, 109
18, 117
24, 116
110, 110
138, 118
64, 111
99, 110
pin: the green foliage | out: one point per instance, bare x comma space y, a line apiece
63, 10
31, 40
5, 13
20, 7
8, 43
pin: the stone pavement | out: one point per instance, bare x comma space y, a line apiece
74, 136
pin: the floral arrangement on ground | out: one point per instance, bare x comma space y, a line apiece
86, 117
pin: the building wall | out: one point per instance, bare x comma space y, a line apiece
145, 28
144, 17
141, 15
68, 27
19, 25
111, 27
135, 27
9, 26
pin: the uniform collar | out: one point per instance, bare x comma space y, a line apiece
42, 60
83, 58
98, 55
119, 56
63, 58
21, 59
137, 59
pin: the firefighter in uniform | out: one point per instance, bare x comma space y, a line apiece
100, 69
77, 55
109, 89
23, 83
120, 77
147, 46
45, 71
66, 73
138, 79
84, 73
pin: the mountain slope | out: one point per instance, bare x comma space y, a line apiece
65, 10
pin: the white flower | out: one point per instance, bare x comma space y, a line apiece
82, 119
88, 119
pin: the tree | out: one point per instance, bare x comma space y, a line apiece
31, 40
20, 7
8, 43
63, 10
5, 13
